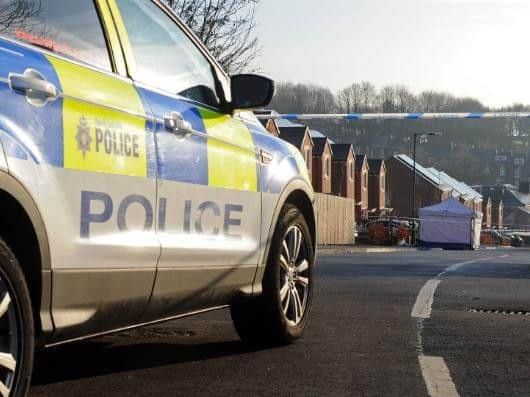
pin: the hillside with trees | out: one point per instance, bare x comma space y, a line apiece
466, 150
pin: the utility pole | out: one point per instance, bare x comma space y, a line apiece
416, 135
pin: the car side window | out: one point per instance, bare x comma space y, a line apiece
164, 57
70, 28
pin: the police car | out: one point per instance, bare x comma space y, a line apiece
134, 187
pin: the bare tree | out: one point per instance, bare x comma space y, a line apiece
226, 27
387, 99
350, 98
17, 13
303, 98
405, 100
433, 101
368, 96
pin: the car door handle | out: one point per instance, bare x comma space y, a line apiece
34, 86
177, 125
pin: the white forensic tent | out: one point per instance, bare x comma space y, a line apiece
450, 225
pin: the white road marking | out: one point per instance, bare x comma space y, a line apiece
456, 266
423, 306
434, 369
381, 250
437, 377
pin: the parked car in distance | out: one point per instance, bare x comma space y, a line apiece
388, 231
516, 240
494, 237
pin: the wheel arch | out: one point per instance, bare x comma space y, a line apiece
24, 231
301, 195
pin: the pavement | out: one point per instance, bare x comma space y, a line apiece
406, 323
360, 248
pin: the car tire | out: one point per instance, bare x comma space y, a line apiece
282, 312
17, 342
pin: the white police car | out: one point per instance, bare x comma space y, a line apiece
133, 189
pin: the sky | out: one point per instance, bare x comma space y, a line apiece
477, 48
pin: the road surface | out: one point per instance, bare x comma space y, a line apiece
390, 324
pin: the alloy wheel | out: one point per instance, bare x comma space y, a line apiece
294, 276
9, 340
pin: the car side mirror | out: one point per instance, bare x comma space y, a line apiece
251, 91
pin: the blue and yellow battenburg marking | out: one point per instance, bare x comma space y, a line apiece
105, 124
226, 160
97, 136
99, 124
230, 165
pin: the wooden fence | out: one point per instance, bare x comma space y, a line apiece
335, 219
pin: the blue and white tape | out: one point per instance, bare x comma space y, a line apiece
396, 116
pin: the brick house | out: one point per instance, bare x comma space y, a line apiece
271, 125
461, 191
343, 170
510, 204
361, 187
300, 137
487, 211
376, 186
497, 216
322, 154
429, 190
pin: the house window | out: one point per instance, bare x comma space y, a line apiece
383, 182
365, 180
351, 170
306, 155
502, 171
327, 167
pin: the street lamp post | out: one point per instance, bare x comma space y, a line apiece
416, 135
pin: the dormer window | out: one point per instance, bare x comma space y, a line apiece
327, 166
365, 180
307, 156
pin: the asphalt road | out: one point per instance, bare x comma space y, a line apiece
362, 339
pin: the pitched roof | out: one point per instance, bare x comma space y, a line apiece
272, 112
460, 188
294, 135
423, 172
320, 145
288, 123
523, 198
265, 112
341, 151
375, 166
265, 124
508, 194
359, 162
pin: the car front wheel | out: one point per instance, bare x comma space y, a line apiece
16, 327
281, 314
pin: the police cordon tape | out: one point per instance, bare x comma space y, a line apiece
395, 116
